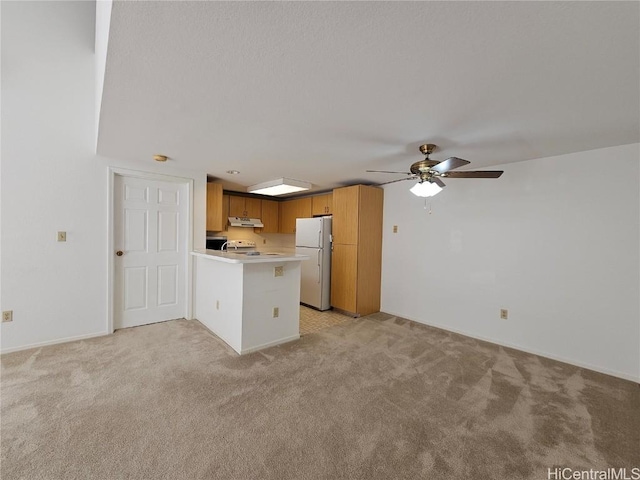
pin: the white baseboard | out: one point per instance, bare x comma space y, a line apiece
244, 351
539, 353
270, 344
52, 342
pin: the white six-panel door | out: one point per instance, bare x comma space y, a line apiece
150, 248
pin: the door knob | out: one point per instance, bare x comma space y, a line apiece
119, 253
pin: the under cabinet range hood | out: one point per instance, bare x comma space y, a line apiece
245, 222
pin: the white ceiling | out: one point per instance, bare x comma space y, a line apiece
322, 91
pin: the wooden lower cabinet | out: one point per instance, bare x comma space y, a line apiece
344, 278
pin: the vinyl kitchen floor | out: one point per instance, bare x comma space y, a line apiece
313, 321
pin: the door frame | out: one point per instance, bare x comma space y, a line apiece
189, 182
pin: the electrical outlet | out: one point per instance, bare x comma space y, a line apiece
62, 236
276, 312
395, 229
278, 271
504, 313
7, 316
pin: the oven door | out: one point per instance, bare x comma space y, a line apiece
215, 243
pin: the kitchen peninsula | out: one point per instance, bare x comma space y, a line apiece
250, 300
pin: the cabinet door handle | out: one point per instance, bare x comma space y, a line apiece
119, 253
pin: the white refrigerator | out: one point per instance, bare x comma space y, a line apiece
313, 238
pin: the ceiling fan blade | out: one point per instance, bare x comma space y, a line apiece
387, 171
399, 180
438, 182
449, 164
477, 174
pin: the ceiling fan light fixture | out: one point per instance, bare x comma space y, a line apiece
281, 186
425, 189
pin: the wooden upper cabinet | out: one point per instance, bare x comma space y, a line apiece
292, 209
346, 210
270, 216
253, 207
245, 207
322, 205
225, 210
287, 217
215, 217
329, 203
236, 206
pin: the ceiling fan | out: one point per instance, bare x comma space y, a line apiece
429, 172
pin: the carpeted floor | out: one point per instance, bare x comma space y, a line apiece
373, 398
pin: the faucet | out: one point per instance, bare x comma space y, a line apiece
225, 244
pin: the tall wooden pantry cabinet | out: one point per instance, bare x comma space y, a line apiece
356, 262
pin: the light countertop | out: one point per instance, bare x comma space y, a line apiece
241, 257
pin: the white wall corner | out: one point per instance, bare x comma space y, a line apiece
559, 250
103, 26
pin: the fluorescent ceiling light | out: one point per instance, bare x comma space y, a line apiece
279, 187
425, 189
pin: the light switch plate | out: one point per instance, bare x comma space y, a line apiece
278, 271
62, 236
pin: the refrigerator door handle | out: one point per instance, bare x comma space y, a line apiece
319, 252
320, 239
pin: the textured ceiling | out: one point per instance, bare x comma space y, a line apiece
322, 91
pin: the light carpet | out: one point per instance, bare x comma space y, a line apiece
373, 398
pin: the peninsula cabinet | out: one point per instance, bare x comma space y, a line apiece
322, 205
292, 209
216, 219
245, 207
356, 261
